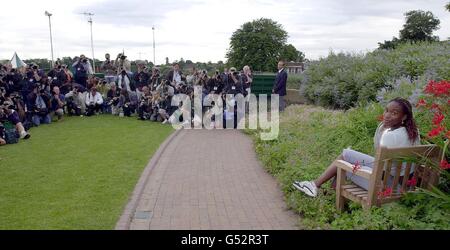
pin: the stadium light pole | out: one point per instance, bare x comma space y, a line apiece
51, 39
92, 39
154, 60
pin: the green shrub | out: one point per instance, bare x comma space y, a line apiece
345, 80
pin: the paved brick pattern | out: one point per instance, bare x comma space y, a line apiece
211, 180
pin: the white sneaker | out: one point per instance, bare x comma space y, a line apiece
307, 187
24, 135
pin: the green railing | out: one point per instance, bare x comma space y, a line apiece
263, 83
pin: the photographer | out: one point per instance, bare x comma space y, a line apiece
247, 80
191, 79
2, 134
57, 103
38, 102
32, 76
57, 76
127, 102
215, 84
141, 78
233, 87
7, 113
155, 79
13, 80
145, 105
112, 99
122, 63
124, 81
75, 103
94, 102
82, 69
165, 102
109, 69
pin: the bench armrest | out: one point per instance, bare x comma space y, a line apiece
348, 167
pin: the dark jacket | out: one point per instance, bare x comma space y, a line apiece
169, 76
279, 86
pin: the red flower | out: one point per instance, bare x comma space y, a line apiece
387, 192
421, 103
356, 167
438, 88
445, 165
380, 118
435, 132
436, 107
438, 118
412, 182
448, 134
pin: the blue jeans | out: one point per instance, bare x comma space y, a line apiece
37, 119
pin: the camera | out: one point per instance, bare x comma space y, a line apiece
84, 60
123, 57
35, 67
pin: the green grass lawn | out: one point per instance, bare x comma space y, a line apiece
75, 174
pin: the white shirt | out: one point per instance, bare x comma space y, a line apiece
397, 138
96, 99
176, 77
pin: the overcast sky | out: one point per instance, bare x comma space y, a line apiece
200, 30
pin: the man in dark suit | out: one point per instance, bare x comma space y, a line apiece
279, 86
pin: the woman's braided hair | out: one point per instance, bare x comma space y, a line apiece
409, 122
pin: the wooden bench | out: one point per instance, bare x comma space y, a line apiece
380, 191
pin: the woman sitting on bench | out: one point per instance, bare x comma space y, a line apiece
398, 129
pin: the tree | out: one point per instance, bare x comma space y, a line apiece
258, 43
289, 53
389, 44
448, 6
419, 26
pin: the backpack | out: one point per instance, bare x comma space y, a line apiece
11, 136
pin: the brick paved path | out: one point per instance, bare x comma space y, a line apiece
207, 180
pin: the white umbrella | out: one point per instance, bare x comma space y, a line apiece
16, 62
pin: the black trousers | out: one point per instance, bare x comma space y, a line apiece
93, 108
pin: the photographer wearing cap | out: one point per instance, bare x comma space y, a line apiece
127, 102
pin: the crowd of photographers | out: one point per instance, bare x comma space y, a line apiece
31, 97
